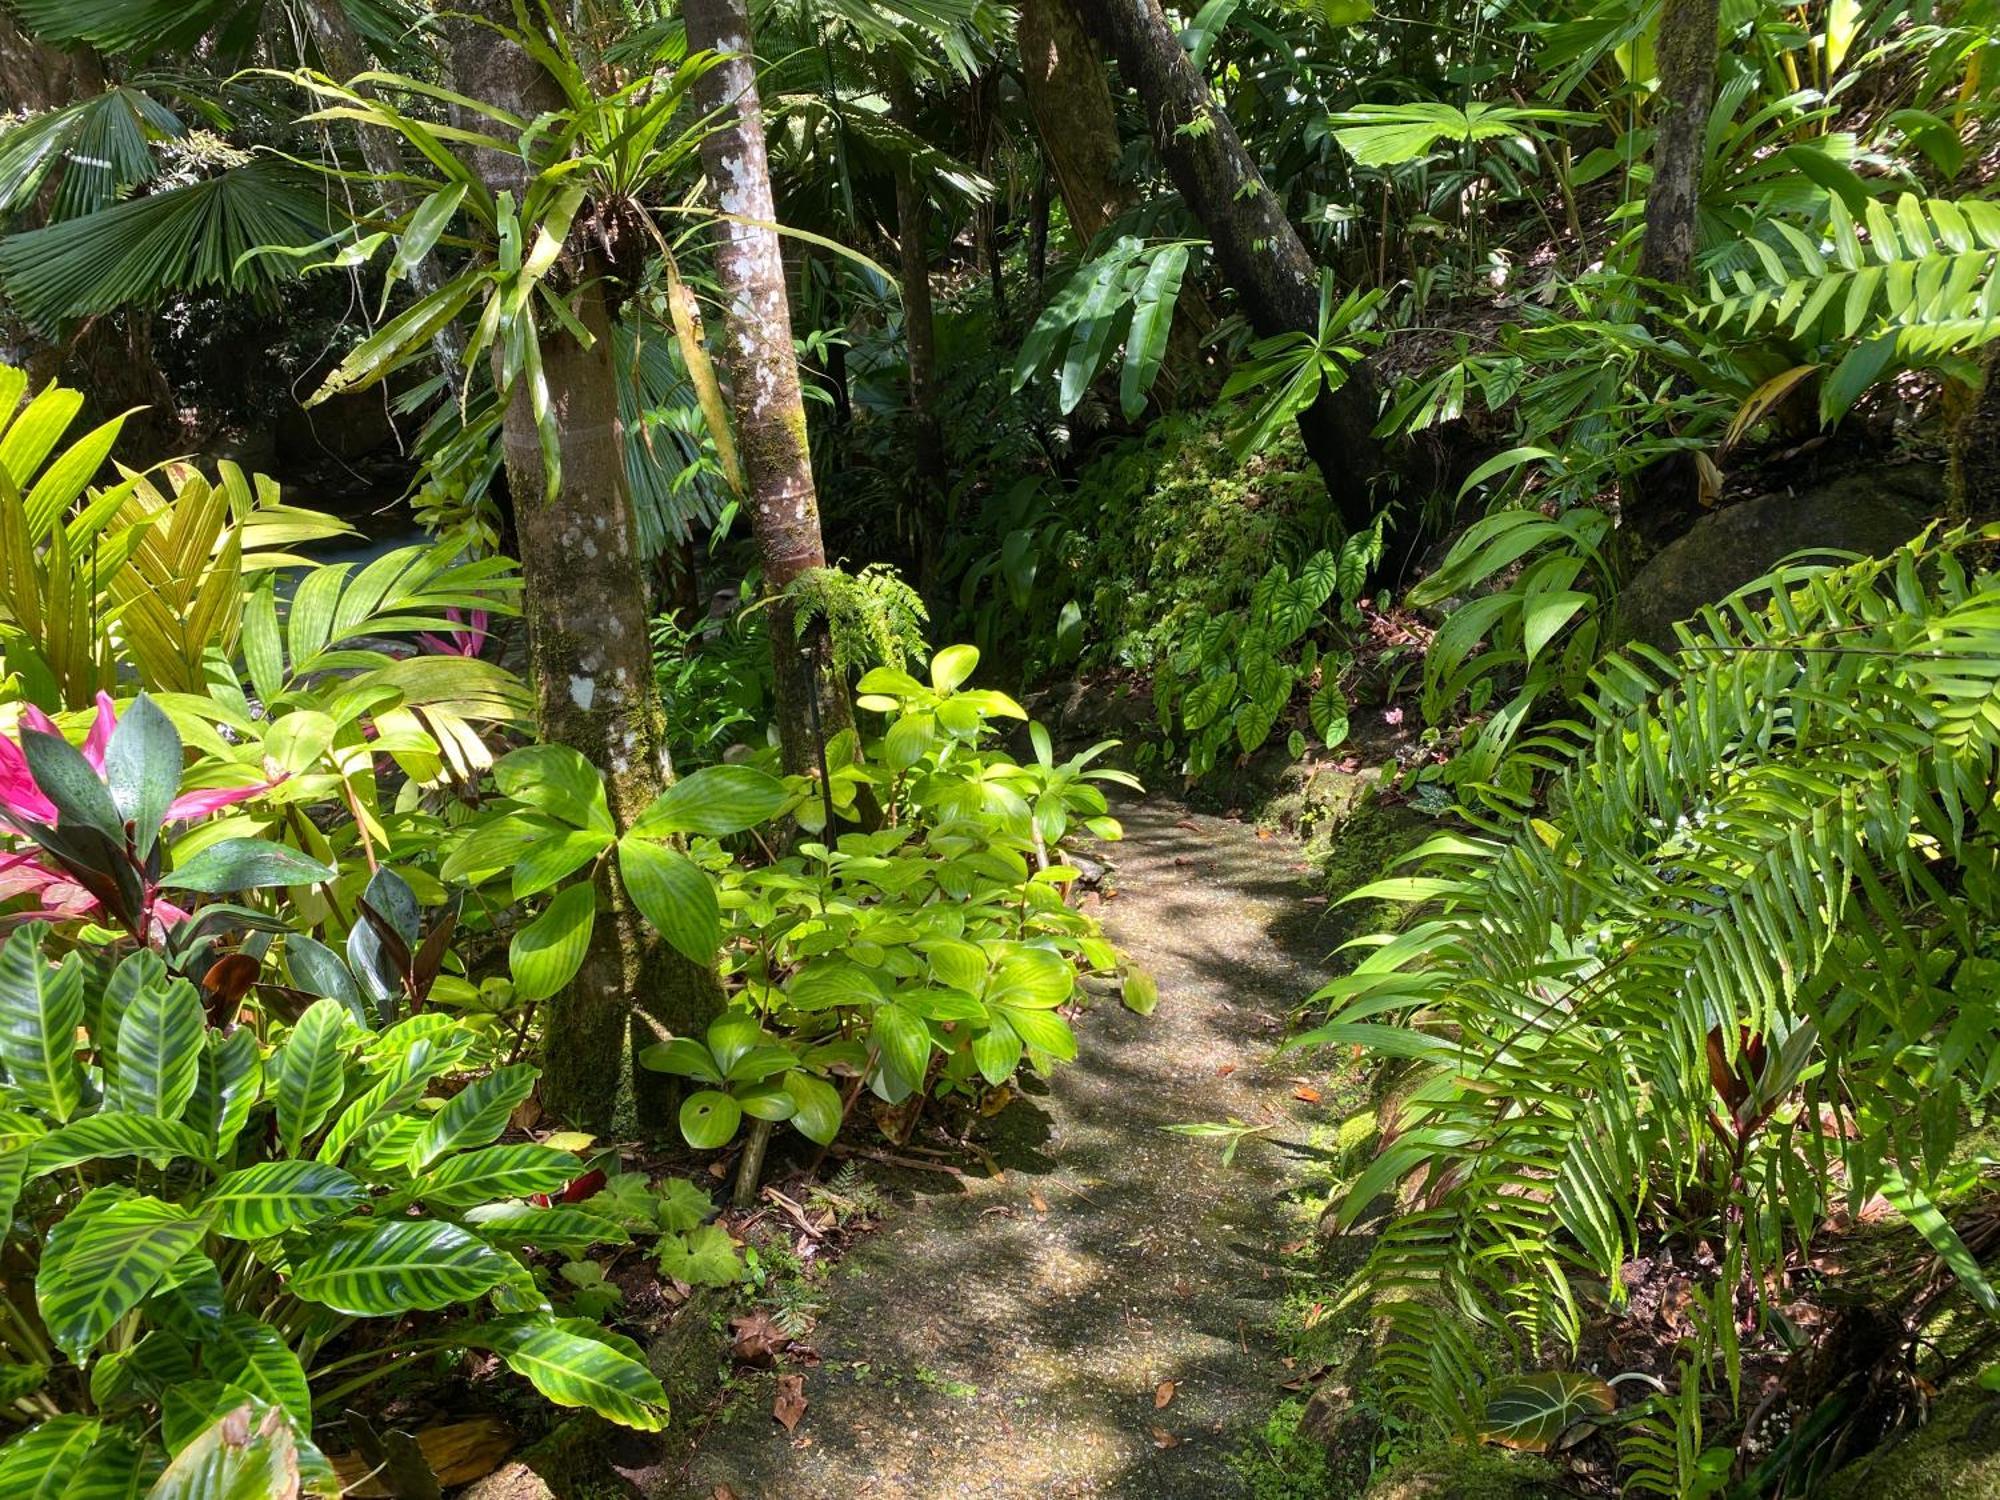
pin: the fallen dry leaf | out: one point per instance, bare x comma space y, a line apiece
722, 1492
1164, 1439
758, 1339
1163, 1393
1225, 1070
791, 1402
1189, 824
1263, 833
458, 1453
1307, 1093
1035, 1197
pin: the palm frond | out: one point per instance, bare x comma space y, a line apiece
180, 240
96, 149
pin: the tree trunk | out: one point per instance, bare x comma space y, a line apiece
1259, 251
1038, 230
985, 101
1070, 100
589, 644
1686, 52
913, 232
764, 379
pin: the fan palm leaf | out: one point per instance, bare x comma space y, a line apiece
97, 150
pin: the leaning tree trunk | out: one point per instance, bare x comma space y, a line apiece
1070, 101
764, 379
1259, 251
589, 644
913, 233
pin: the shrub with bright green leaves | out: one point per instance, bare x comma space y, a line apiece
212, 1219
930, 955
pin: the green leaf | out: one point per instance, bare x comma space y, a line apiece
106, 1258
716, 800
709, 1119
374, 1270
997, 1051
263, 1201
1141, 992
68, 781
253, 1356
953, 667
573, 1365
701, 1257
817, 1112
309, 1072
41, 1007
41, 1462
548, 861
400, 1087
546, 954
142, 769
558, 781
229, 1077
674, 894
1043, 1030
1531, 1413
1328, 712
475, 1115
117, 1468
1152, 321
245, 864
903, 1045
159, 1051
111, 1134
1032, 977
496, 1172
557, 1228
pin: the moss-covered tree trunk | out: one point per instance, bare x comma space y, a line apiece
1686, 61
590, 649
1259, 251
763, 372
1069, 97
929, 479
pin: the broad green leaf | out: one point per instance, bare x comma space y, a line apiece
495, 1172
245, 864
243, 1455
106, 1258
142, 769
997, 1051
903, 1046
545, 955
1532, 1412
374, 1270
558, 781
113, 1134
701, 1257
117, 1468
475, 1115
816, 1114
1152, 321
573, 1365
229, 1078
308, 1074
709, 1119
953, 667
549, 861
68, 781
41, 1007
1043, 1030
41, 1462
159, 1051
263, 1201
555, 1228
716, 800
137, 972
251, 1355
1032, 977
674, 894
401, 1086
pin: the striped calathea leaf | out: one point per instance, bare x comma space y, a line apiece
166, 1180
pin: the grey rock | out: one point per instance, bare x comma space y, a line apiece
1870, 512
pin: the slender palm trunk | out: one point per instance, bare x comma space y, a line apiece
1686, 53
589, 644
764, 378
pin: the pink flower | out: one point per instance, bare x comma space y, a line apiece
468, 640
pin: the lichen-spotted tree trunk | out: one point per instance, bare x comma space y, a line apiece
1260, 253
763, 372
589, 645
929, 479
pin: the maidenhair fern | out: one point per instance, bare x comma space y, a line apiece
1916, 284
873, 617
1743, 936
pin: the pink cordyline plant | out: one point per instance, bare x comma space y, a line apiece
469, 639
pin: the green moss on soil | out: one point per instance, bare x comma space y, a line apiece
1954, 1456
1461, 1471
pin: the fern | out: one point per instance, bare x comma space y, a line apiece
1916, 284
1753, 897
873, 617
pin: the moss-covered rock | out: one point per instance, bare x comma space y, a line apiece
1463, 1471
1954, 1456
1351, 836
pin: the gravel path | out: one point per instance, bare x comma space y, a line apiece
1010, 1337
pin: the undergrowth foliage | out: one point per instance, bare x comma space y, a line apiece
1734, 969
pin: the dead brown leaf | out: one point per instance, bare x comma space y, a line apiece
458, 1453
1035, 1197
1163, 1393
1225, 1070
1164, 1439
1307, 1093
758, 1339
791, 1402
723, 1492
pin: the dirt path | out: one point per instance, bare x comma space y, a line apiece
981, 1346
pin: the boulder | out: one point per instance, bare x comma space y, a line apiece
1954, 1456
1870, 512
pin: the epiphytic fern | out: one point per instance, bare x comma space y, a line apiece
1915, 285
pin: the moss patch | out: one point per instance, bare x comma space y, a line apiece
1955, 1456
1461, 1471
